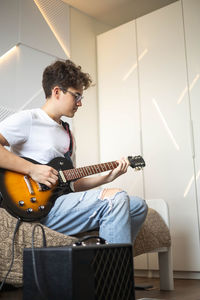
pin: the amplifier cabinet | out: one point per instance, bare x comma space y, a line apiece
92, 272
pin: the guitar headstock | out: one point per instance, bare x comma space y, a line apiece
136, 162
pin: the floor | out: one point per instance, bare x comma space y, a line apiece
184, 290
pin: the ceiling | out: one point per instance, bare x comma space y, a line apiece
117, 12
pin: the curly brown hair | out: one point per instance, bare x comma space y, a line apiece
64, 74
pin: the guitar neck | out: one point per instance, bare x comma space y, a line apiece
77, 173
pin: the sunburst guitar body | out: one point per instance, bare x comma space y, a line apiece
30, 201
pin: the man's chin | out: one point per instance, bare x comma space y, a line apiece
69, 115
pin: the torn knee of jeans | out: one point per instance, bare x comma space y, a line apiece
109, 193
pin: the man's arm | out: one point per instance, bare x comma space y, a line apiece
92, 182
40, 173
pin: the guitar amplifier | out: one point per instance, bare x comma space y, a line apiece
92, 272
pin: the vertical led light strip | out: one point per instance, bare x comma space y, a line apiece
44, 14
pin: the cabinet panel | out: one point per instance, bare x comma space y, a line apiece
166, 129
119, 120
191, 9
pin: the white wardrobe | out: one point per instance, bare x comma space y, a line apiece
149, 104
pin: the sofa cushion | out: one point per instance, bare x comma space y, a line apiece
153, 235
23, 239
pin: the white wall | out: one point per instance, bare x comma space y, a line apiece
38, 41
84, 30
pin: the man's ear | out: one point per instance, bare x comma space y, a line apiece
56, 91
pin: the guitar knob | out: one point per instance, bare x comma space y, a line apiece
41, 207
33, 199
29, 210
21, 203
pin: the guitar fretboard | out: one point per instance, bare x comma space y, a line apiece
73, 174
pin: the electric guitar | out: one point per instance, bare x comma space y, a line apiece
30, 201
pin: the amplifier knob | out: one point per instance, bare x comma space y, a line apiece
33, 199
29, 210
21, 203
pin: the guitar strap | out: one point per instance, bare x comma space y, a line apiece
69, 152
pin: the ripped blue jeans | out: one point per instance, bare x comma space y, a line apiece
117, 216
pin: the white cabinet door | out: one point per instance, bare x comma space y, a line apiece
166, 129
119, 119
191, 9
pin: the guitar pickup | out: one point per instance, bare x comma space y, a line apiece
62, 177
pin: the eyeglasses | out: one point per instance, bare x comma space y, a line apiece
78, 97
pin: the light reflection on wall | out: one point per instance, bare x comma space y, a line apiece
190, 183
135, 65
186, 89
169, 132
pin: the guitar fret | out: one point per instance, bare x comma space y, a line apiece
101, 168
84, 172
72, 174
89, 171
112, 165
78, 172
105, 167
93, 170
96, 168
81, 172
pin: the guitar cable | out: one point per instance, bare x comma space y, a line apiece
19, 221
34, 260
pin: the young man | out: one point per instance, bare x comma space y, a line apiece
39, 135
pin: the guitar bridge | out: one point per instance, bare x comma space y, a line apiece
28, 184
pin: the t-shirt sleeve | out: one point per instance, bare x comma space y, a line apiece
15, 128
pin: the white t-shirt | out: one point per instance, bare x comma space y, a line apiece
32, 133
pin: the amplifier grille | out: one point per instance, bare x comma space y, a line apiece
113, 272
